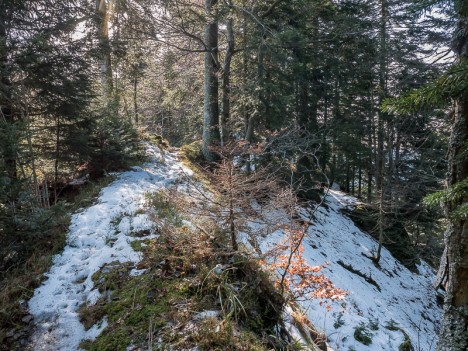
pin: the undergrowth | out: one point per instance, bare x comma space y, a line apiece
27, 250
195, 292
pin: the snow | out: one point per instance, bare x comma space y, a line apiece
406, 300
103, 233
98, 235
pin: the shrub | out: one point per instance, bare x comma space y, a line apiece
114, 144
362, 335
193, 152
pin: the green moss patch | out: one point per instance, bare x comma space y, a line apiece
187, 273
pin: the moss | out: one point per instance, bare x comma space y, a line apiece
90, 315
179, 282
406, 345
135, 303
138, 245
362, 335
109, 340
193, 152
162, 206
154, 139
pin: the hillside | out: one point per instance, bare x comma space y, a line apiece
387, 304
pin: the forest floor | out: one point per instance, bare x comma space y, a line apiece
388, 307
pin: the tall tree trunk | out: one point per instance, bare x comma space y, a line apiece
103, 11
211, 134
454, 335
380, 164
6, 109
371, 141
250, 130
135, 102
57, 156
226, 84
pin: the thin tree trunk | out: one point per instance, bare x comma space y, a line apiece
381, 223
135, 105
250, 132
360, 176
226, 83
232, 226
6, 109
32, 156
380, 174
370, 167
211, 134
57, 155
382, 93
103, 11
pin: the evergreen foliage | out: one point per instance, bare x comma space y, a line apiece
348, 93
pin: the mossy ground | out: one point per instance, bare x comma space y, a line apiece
187, 272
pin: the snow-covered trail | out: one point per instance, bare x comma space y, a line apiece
399, 302
98, 235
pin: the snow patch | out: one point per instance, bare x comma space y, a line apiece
400, 302
98, 235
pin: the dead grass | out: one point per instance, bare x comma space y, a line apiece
188, 271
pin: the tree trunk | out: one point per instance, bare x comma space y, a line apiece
454, 334
105, 65
226, 85
380, 164
135, 91
211, 134
6, 109
250, 130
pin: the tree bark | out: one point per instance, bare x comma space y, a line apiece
135, 101
226, 84
380, 164
250, 130
454, 334
105, 65
211, 133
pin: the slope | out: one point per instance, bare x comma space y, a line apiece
388, 306
99, 235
